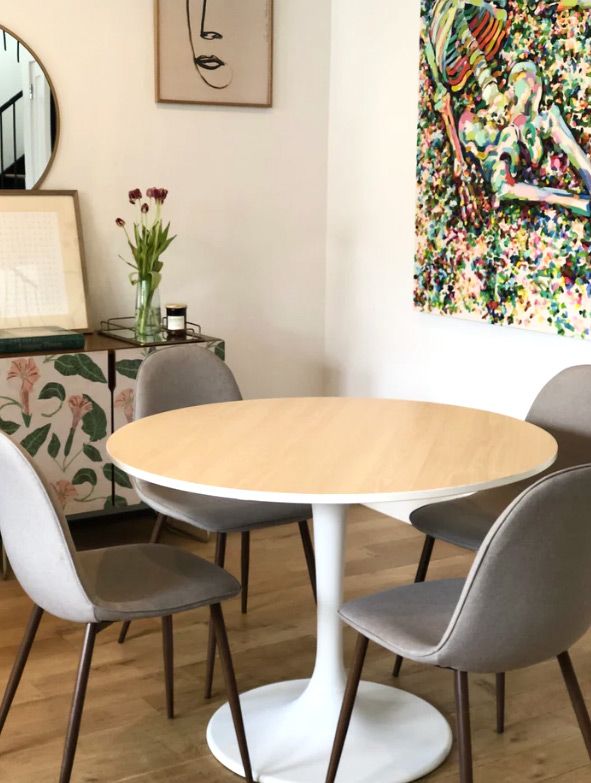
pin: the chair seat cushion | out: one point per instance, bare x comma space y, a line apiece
466, 521
219, 515
408, 620
151, 580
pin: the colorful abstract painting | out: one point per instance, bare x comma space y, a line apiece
504, 163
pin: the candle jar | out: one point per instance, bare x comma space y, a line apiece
176, 321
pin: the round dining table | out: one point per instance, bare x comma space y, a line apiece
331, 453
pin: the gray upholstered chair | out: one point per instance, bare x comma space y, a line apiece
99, 587
526, 599
184, 376
563, 408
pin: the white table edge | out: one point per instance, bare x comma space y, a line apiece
328, 498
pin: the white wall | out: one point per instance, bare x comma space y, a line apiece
248, 201
376, 343
247, 186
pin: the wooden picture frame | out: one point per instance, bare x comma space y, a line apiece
41, 260
216, 52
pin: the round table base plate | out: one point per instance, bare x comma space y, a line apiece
394, 737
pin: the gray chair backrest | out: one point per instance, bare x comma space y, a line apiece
563, 408
181, 376
528, 595
37, 538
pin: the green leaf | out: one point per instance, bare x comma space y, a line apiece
27, 418
93, 454
54, 446
94, 423
85, 476
51, 390
113, 473
69, 442
220, 350
128, 367
116, 502
80, 364
9, 427
34, 440
167, 244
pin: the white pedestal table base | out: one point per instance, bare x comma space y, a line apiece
394, 737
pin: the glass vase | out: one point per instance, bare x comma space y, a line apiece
148, 323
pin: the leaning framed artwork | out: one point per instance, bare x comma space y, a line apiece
504, 163
214, 51
41, 260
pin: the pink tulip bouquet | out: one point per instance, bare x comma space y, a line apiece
150, 240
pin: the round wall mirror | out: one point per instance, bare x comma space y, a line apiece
29, 121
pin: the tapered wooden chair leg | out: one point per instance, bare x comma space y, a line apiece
5, 564
157, 530
420, 576
576, 697
347, 707
220, 559
168, 653
397, 666
500, 683
78, 704
123, 631
20, 662
463, 724
308, 554
220, 549
217, 619
245, 568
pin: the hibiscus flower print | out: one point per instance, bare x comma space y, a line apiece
124, 400
80, 406
27, 372
65, 492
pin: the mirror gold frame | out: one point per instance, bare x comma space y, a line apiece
55, 144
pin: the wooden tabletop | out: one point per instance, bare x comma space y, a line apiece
332, 450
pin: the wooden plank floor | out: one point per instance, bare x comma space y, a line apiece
125, 735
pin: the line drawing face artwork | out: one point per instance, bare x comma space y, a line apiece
214, 71
504, 163
214, 52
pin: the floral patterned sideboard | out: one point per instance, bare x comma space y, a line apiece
62, 407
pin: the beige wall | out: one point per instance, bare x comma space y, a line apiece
249, 202
376, 343
247, 186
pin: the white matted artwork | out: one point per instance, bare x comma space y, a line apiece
41, 269
214, 51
